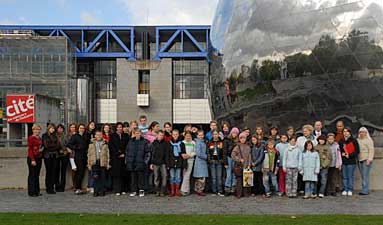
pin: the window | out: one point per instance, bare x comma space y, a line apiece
105, 79
143, 81
190, 79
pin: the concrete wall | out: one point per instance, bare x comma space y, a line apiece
14, 171
160, 108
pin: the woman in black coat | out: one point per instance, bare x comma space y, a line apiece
79, 143
117, 145
52, 146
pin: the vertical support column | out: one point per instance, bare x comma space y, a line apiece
82, 40
107, 40
182, 40
157, 57
132, 51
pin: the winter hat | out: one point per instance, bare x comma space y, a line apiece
234, 130
242, 135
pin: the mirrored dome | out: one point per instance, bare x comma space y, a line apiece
295, 61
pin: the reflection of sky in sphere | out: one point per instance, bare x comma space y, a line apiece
270, 29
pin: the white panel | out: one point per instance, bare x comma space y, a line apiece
191, 111
107, 110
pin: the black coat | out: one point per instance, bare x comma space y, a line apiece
176, 161
51, 143
79, 144
228, 146
137, 155
350, 143
158, 151
117, 146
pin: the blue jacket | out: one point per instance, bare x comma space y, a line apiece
200, 163
258, 155
310, 166
292, 158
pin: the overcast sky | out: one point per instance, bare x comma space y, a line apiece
108, 12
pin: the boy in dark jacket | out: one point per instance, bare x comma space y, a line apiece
175, 162
216, 160
137, 158
159, 149
270, 168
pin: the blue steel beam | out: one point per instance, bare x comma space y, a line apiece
69, 40
119, 41
170, 41
94, 42
195, 42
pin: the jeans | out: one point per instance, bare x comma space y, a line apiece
175, 175
323, 180
98, 177
365, 174
230, 177
50, 169
266, 179
90, 180
216, 176
33, 176
348, 177
310, 188
160, 171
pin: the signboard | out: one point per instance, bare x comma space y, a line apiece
20, 108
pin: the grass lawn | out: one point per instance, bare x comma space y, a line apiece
137, 219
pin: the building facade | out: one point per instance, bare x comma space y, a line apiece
108, 74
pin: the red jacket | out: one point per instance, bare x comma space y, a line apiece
34, 145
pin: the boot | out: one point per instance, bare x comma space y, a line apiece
178, 193
172, 190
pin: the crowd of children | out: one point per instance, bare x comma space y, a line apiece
144, 159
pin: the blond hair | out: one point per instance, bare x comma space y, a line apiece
308, 127
36, 126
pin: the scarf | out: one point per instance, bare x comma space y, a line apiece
176, 148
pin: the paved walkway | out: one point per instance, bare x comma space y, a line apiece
18, 201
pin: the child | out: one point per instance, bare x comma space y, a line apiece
98, 163
158, 162
213, 126
290, 132
143, 124
175, 163
334, 171
137, 158
228, 145
282, 148
215, 157
310, 169
189, 157
273, 134
325, 160
257, 155
270, 168
242, 154
292, 164
200, 166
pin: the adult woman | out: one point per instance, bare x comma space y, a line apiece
125, 128
349, 148
242, 154
79, 143
51, 149
34, 161
117, 146
366, 155
106, 132
228, 144
62, 160
91, 129
71, 131
307, 136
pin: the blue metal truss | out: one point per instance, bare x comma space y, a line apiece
84, 51
87, 48
162, 52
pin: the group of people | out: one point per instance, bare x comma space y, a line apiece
140, 159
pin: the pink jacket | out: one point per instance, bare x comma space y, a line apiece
338, 162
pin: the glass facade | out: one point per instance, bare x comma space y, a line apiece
37, 65
190, 79
295, 61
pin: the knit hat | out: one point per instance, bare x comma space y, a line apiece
234, 130
242, 135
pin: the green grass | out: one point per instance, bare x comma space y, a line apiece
137, 219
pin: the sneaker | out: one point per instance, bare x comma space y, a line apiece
214, 194
279, 194
123, 193
344, 193
306, 197
133, 194
321, 196
268, 195
349, 193
313, 196
220, 194
118, 194
142, 193
91, 190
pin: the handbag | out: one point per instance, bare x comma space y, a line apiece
248, 176
238, 166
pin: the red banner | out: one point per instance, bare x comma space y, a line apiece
20, 108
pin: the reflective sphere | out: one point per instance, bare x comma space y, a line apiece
292, 62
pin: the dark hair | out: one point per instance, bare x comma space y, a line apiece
187, 132
118, 124
213, 121
143, 117
272, 128
200, 131
103, 128
293, 137
79, 125
226, 123
60, 125
259, 141
153, 124
285, 135
308, 143
125, 124
87, 127
322, 137
98, 131
175, 130
161, 131
168, 123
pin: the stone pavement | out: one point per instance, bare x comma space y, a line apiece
18, 201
